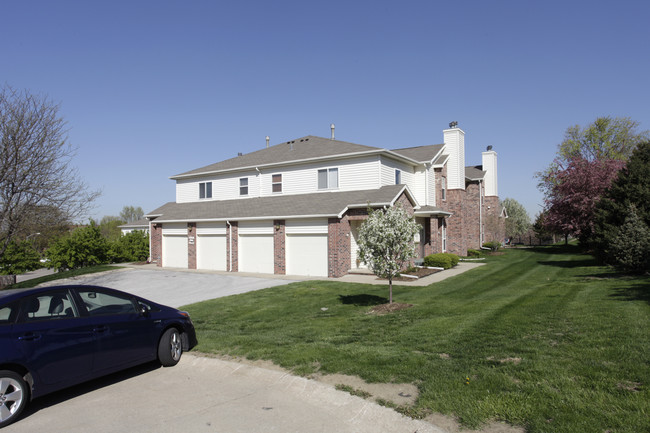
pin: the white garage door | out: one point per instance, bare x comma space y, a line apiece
307, 254
211, 252
256, 254
174, 251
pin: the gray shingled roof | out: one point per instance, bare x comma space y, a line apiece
474, 173
325, 204
420, 153
300, 149
142, 222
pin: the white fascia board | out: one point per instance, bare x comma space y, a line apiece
279, 164
428, 213
260, 218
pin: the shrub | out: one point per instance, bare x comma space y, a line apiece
473, 253
83, 247
492, 245
441, 260
132, 247
19, 258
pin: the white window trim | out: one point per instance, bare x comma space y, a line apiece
276, 183
328, 170
247, 186
204, 186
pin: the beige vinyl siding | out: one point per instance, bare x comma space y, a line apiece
418, 185
388, 167
431, 179
353, 174
224, 187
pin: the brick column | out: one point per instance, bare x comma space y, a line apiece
279, 247
156, 244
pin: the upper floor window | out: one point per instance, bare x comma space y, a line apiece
443, 186
243, 186
398, 177
276, 183
205, 190
328, 178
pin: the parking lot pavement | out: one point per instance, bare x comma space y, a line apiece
174, 288
209, 395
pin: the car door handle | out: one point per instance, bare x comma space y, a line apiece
100, 329
30, 336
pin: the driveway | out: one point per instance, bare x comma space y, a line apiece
203, 394
174, 288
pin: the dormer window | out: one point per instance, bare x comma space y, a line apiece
398, 177
205, 190
328, 178
243, 186
276, 183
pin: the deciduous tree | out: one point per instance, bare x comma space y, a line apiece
131, 214
518, 221
386, 242
35, 164
572, 199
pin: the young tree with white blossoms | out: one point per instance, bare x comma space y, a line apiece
386, 242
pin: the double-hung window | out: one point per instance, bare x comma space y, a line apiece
205, 190
276, 183
443, 187
243, 186
328, 178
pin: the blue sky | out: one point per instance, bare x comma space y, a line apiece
150, 89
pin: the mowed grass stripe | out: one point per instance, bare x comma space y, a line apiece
548, 340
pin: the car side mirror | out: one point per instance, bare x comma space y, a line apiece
144, 311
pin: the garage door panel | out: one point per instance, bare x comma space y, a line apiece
307, 255
211, 252
174, 251
256, 254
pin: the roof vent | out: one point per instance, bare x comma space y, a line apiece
332, 128
267, 141
489, 148
239, 154
453, 124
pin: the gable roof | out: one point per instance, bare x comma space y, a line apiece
324, 204
474, 173
311, 148
421, 153
142, 222
300, 149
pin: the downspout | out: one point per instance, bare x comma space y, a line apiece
150, 255
480, 214
230, 240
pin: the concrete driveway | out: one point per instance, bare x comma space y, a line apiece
174, 288
203, 394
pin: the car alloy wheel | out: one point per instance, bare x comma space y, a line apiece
170, 348
13, 396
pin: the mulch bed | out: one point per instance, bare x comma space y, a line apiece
420, 273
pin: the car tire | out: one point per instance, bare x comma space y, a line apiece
14, 395
170, 348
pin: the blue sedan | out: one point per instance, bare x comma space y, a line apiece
55, 337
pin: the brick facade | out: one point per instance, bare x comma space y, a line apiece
338, 246
191, 245
279, 248
156, 244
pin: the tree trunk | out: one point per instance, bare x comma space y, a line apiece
390, 290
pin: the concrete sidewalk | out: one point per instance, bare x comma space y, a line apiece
210, 395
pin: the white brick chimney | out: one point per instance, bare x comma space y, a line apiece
454, 139
489, 158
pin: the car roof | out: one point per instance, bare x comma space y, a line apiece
9, 295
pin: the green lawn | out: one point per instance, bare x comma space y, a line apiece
549, 340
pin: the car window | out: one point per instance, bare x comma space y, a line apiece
147, 306
47, 306
8, 313
99, 303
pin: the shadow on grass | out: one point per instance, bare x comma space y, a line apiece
569, 263
638, 290
362, 300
